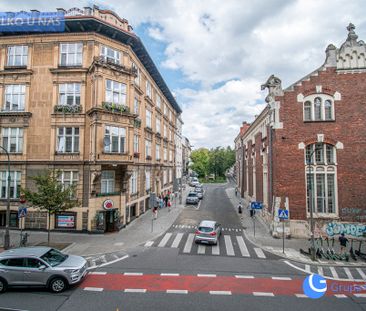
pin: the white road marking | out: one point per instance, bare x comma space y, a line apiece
307, 268
118, 244
334, 272
220, 292
207, 275
135, 290
149, 243
244, 276
281, 278
263, 294
243, 248
216, 248
201, 249
177, 291
360, 295
94, 289
169, 274
109, 263
259, 252
165, 239
189, 243
340, 296
133, 273
349, 274
229, 246
97, 273
301, 296
320, 270
103, 259
363, 275
177, 240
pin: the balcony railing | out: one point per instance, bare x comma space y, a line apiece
68, 109
117, 108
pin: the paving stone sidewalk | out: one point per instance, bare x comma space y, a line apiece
264, 239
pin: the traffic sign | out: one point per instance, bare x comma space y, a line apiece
283, 214
256, 205
22, 212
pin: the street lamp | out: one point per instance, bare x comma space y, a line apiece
7, 235
312, 249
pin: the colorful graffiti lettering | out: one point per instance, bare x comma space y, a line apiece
356, 230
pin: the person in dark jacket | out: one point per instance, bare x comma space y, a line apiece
343, 242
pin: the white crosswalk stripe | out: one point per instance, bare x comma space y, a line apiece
189, 243
229, 246
243, 248
216, 249
334, 272
165, 239
201, 249
361, 273
348, 273
177, 240
259, 252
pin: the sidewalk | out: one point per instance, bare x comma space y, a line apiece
136, 233
264, 239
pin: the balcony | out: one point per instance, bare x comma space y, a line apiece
115, 108
67, 109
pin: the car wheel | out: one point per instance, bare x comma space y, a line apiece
57, 285
3, 285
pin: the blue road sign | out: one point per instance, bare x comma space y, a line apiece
256, 205
283, 214
22, 212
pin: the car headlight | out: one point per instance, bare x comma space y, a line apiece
71, 271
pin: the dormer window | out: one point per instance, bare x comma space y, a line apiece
318, 108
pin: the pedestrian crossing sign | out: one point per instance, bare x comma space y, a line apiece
283, 214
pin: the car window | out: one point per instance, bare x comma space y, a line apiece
205, 229
54, 257
192, 194
15, 262
4, 262
33, 263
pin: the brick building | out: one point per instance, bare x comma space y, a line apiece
90, 103
307, 147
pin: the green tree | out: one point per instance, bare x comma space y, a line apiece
51, 195
200, 159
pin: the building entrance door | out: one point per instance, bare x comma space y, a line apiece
111, 221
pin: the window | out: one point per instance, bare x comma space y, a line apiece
14, 97
69, 94
148, 148
158, 127
116, 138
170, 175
319, 108
15, 178
65, 220
165, 131
170, 155
147, 181
135, 143
148, 118
148, 89
320, 176
165, 177
17, 55
158, 101
68, 178
14, 262
68, 139
136, 106
165, 109
165, 154
71, 54
107, 181
33, 263
133, 183
12, 139
157, 151
138, 74
111, 55
115, 92
170, 115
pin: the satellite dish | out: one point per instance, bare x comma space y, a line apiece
106, 141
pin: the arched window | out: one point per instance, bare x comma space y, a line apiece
320, 166
318, 108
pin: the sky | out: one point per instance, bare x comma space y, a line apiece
214, 55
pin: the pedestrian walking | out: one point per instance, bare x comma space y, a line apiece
236, 191
240, 208
161, 202
155, 211
343, 242
166, 200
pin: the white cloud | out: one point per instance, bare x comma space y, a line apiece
236, 44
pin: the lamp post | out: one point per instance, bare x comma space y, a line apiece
7, 234
312, 249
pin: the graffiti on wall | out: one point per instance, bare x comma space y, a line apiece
335, 228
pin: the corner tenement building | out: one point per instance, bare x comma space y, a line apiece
90, 103
307, 147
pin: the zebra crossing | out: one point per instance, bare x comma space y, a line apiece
224, 229
102, 260
230, 245
333, 272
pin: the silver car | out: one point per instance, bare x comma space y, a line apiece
192, 198
199, 191
208, 232
40, 266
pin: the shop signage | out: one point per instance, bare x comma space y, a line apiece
108, 204
65, 221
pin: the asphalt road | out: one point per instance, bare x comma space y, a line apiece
173, 273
